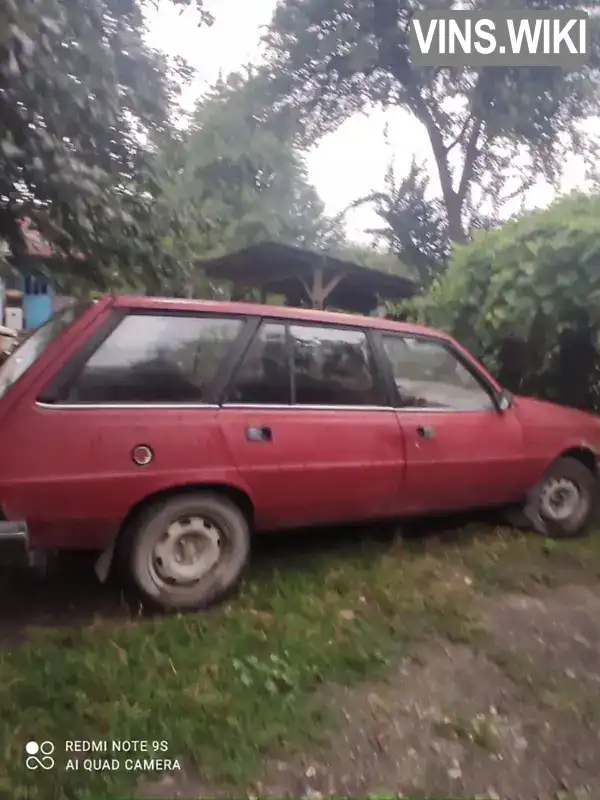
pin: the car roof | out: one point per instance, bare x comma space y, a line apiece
142, 302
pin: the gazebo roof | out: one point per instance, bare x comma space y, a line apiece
290, 271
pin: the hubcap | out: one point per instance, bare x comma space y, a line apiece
559, 500
188, 551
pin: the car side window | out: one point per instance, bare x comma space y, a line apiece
156, 358
427, 374
333, 367
264, 374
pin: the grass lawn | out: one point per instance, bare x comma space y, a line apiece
224, 688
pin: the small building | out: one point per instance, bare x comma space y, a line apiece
29, 297
27, 288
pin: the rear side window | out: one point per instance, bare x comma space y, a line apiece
156, 359
331, 367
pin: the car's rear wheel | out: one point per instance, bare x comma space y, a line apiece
186, 552
561, 505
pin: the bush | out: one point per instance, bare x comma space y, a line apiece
525, 298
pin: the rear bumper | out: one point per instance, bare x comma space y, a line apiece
14, 543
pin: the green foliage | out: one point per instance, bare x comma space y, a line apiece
88, 149
234, 684
234, 182
529, 281
82, 96
491, 130
413, 226
371, 256
260, 189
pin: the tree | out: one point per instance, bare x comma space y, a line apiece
526, 299
372, 256
81, 98
236, 182
414, 226
488, 128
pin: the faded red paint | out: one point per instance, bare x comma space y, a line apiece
69, 472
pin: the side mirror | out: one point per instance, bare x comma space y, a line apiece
504, 401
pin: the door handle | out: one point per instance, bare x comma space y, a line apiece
260, 433
425, 432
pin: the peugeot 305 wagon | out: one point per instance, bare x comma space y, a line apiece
165, 433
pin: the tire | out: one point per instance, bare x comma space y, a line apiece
186, 553
514, 517
567, 518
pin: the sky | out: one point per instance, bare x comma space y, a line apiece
345, 165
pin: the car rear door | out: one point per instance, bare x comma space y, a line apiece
308, 427
143, 380
461, 451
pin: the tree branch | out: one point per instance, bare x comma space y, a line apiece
472, 153
463, 130
452, 200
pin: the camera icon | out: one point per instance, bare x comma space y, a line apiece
39, 755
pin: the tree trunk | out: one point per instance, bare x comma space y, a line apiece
575, 371
513, 363
454, 199
456, 231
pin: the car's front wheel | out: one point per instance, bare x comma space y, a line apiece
187, 552
562, 503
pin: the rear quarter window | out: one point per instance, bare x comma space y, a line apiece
156, 358
33, 347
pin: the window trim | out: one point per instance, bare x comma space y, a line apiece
234, 358
289, 350
123, 406
388, 370
378, 377
252, 332
56, 394
312, 407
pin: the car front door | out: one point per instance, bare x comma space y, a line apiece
306, 423
461, 451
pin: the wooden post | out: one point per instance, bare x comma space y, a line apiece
320, 289
237, 293
318, 297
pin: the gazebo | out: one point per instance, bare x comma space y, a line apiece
306, 278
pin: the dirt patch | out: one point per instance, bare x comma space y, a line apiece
450, 723
560, 630
393, 739
447, 723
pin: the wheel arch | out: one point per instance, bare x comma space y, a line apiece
104, 562
585, 455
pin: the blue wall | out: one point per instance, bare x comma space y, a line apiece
38, 295
37, 308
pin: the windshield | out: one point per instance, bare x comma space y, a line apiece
36, 343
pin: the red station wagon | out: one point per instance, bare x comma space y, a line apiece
164, 433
